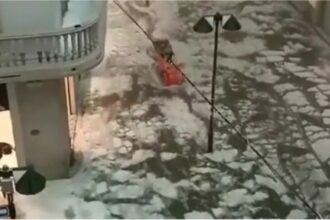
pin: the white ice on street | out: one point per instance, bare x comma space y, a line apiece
99, 130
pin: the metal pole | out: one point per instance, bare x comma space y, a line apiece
217, 19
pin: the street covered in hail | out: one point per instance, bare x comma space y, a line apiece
145, 145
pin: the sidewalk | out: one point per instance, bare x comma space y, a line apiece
145, 145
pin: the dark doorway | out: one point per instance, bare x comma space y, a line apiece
4, 103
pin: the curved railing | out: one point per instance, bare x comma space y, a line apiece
55, 54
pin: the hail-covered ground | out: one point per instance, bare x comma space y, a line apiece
144, 145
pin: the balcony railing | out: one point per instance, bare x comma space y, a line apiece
52, 55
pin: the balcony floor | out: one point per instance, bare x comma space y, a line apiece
145, 145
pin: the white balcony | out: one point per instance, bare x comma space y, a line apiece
74, 47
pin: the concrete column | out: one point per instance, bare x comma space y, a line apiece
70, 87
40, 126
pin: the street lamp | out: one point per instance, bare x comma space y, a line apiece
205, 25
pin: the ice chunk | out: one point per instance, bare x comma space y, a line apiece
130, 134
157, 203
274, 59
297, 214
165, 188
141, 155
292, 67
218, 212
117, 142
198, 215
203, 170
90, 210
226, 180
222, 156
165, 156
235, 197
139, 113
101, 188
128, 144
205, 186
138, 157
128, 192
122, 176
123, 150
259, 196
273, 53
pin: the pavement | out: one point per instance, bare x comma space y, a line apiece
145, 145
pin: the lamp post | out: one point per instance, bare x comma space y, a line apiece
205, 25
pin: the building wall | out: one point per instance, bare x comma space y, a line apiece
326, 17
315, 11
30, 17
313, 3
321, 14
40, 125
81, 12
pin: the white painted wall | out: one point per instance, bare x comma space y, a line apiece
80, 12
42, 107
27, 17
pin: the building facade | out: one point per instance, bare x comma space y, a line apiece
316, 11
44, 47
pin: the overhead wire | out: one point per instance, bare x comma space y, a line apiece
240, 135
